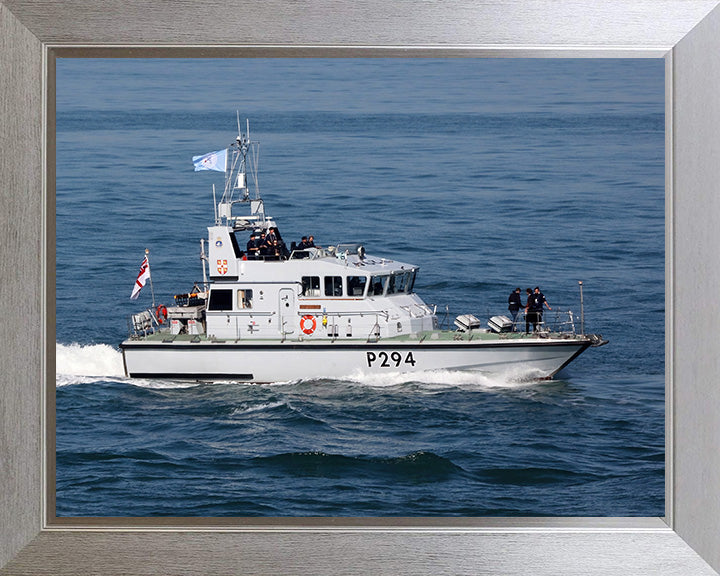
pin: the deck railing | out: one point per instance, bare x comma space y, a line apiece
557, 321
142, 324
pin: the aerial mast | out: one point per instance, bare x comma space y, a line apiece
236, 184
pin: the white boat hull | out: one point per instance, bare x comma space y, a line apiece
291, 360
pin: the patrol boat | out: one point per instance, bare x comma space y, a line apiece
267, 312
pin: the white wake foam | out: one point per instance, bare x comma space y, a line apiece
444, 379
75, 363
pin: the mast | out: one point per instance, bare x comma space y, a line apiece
203, 260
241, 160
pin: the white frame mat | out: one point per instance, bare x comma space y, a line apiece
686, 33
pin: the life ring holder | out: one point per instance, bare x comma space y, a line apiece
308, 329
161, 313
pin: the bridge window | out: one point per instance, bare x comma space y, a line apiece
405, 281
333, 286
356, 285
310, 286
377, 285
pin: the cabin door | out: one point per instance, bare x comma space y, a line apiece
288, 315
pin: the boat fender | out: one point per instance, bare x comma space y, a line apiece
161, 313
308, 324
324, 320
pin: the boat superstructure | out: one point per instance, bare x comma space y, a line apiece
267, 311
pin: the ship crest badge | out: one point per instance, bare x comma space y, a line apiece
222, 267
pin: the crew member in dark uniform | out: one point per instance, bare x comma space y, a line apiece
271, 237
536, 302
514, 305
307, 242
253, 247
270, 245
529, 312
282, 250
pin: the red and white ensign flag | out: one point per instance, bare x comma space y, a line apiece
141, 279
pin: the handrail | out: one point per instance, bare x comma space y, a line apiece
376, 313
563, 321
242, 312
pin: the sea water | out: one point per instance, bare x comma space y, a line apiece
488, 174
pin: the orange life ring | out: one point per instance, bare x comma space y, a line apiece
308, 329
161, 313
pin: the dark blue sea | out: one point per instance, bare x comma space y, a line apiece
489, 174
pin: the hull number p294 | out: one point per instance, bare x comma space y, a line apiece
389, 359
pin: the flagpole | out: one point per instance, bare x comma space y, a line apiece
152, 291
582, 309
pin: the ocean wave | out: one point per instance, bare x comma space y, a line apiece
140, 455
416, 466
246, 408
534, 476
71, 379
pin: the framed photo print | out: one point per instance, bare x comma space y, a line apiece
463, 153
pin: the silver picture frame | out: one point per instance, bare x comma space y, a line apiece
686, 33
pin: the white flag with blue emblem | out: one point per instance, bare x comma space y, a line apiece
211, 161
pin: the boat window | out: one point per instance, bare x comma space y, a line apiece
402, 282
244, 298
333, 286
405, 280
310, 286
220, 300
356, 285
394, 280
377, 285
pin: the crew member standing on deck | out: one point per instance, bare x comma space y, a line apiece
514, 305
537, 301
529, 312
